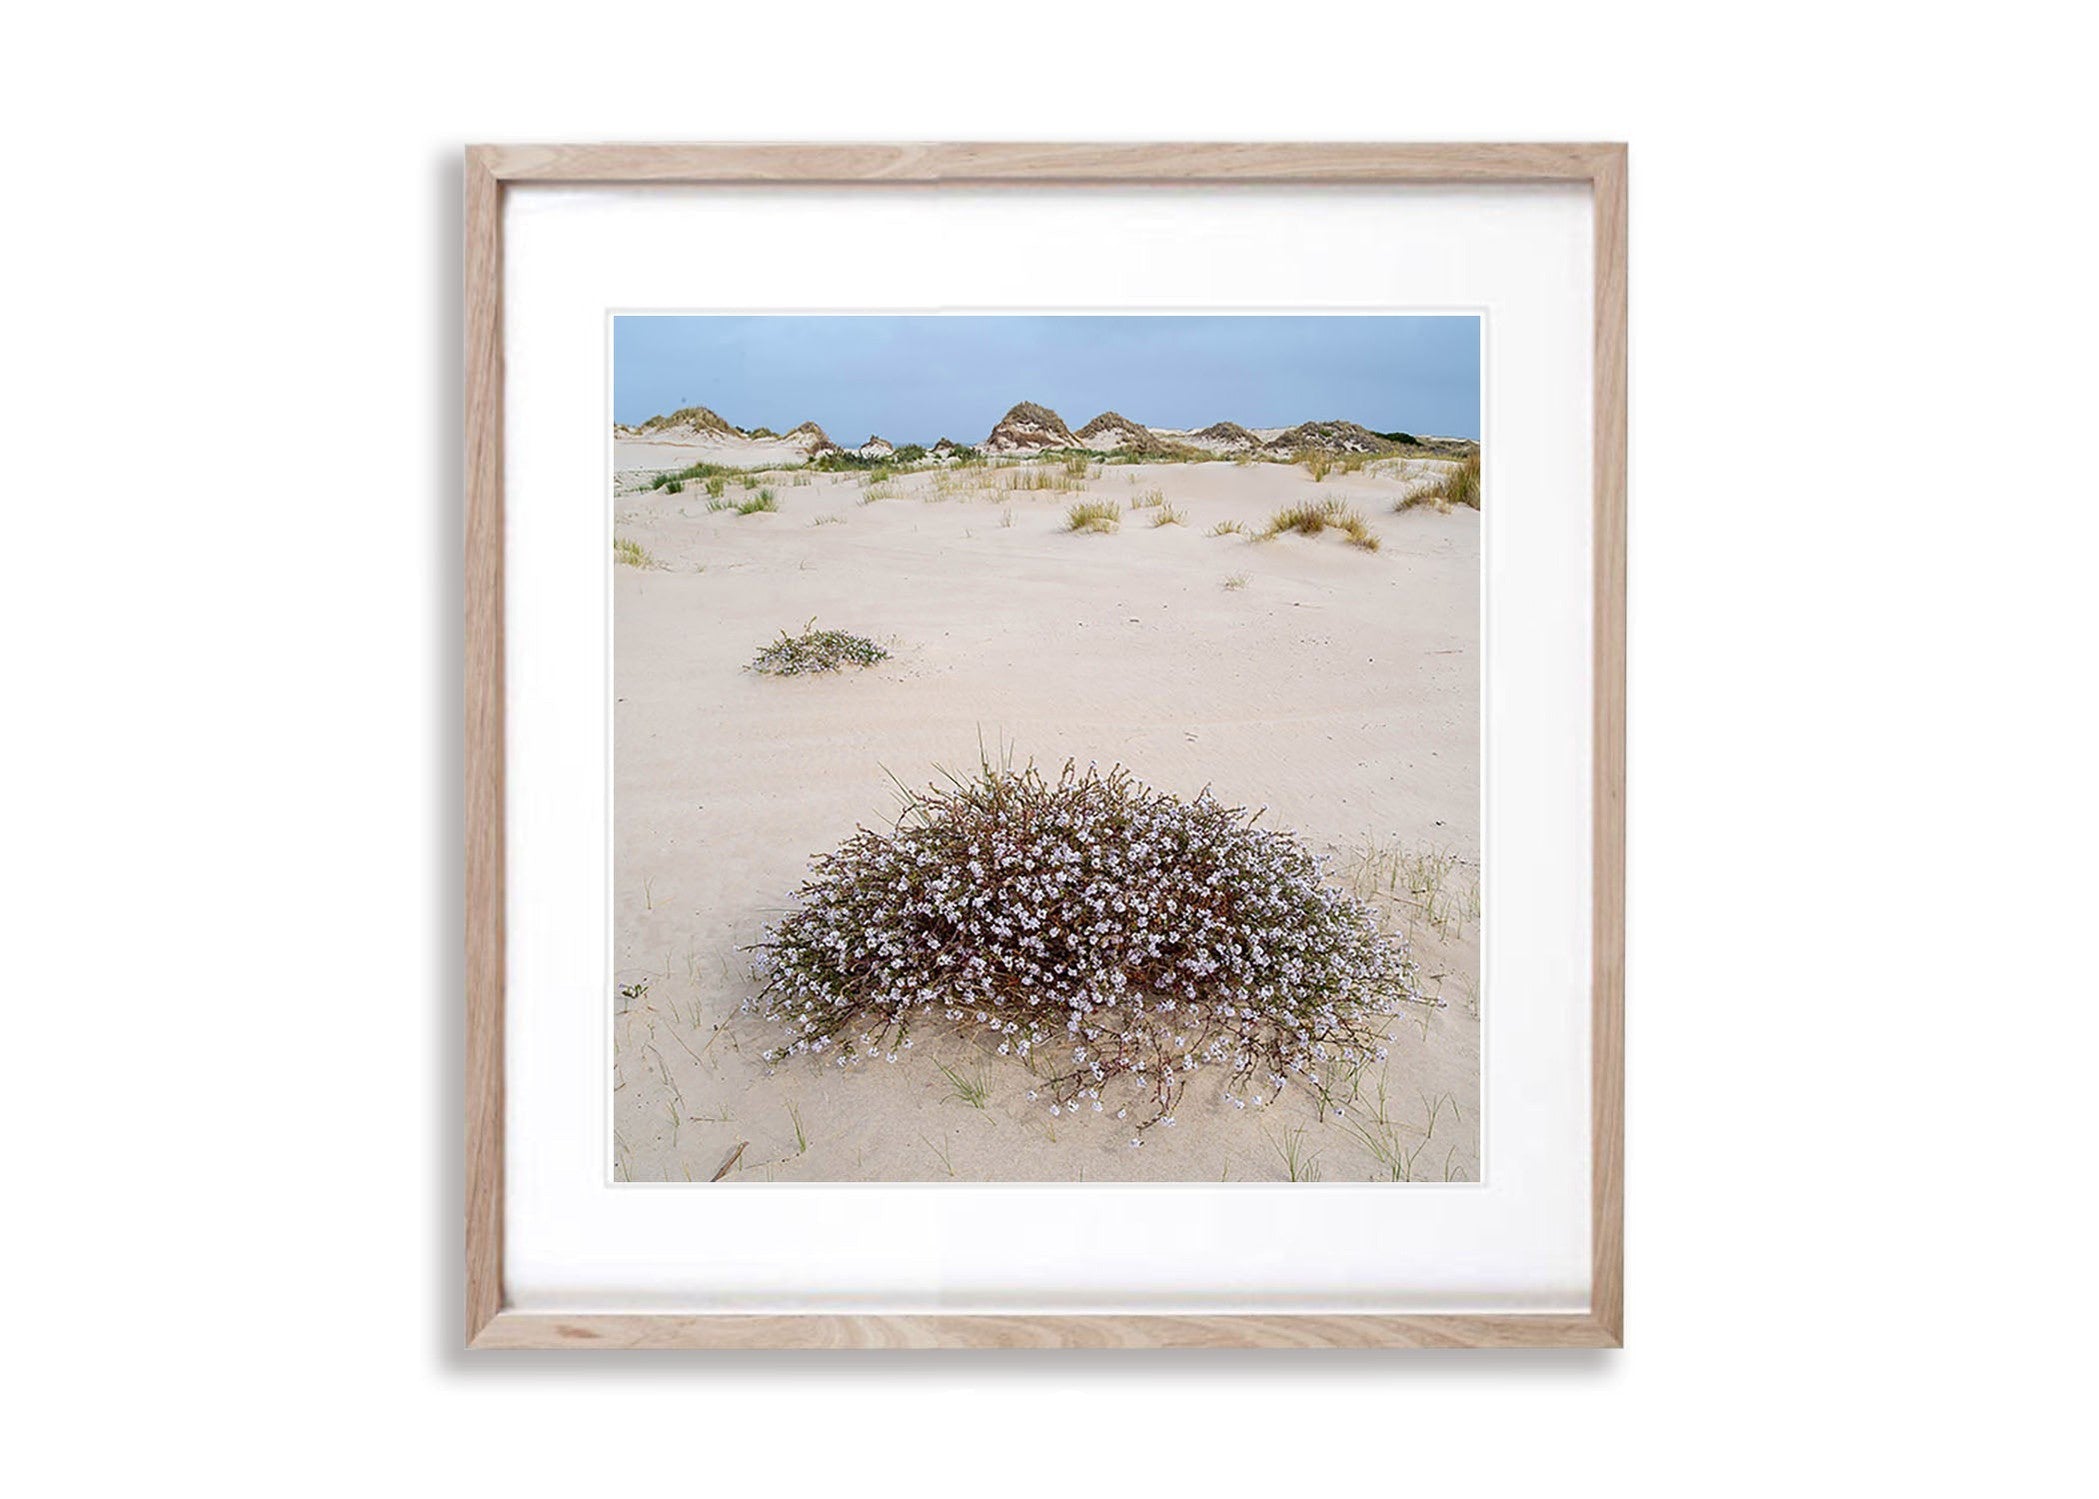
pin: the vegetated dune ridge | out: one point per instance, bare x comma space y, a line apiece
1335, 687
696, 434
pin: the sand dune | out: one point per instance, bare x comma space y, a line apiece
659, 454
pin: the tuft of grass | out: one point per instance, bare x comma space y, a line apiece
762, 500
970, 1090
676, 486
1437, 889
1167, 515
716, 485
1386, 1139
1301, 1165
1033, 479
708, 471
828, 520
1227, 528
1457, 485
1235, 582
1309, 519
632, 553
816, 650
1148, 499
1093, 515
1319, 463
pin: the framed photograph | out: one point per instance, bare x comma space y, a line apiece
1045, 745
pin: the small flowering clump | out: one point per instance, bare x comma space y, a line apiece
1094, 929
816, 650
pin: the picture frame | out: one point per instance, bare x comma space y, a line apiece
492, 172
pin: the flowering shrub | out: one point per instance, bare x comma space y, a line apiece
816, 650
1093, 929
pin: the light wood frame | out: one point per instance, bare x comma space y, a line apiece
490, 171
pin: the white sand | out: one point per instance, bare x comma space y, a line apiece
657, 455
1337, 688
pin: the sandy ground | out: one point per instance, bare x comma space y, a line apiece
1339, 689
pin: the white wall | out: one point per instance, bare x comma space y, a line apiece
1862, 738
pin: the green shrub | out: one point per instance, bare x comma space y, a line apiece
816, 650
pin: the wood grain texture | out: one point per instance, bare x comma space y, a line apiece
1607, 788
521, 1330
484, 744
1027, 163
488, 169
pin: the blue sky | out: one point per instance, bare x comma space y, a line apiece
917, 379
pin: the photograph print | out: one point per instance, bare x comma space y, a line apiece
1046, 749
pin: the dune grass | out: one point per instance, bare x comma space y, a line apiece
1235, 582
1227, 528
762, 500
1309, 519
1390, 1142
1299, 1163
1033, 479
1147, 499
1093, 515
1450, 487
629, 553
708, 471
1319, 463
1169, 515
972, 1090
1434, 888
